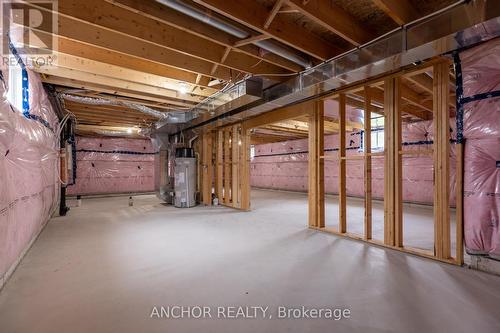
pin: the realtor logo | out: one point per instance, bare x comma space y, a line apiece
31, 26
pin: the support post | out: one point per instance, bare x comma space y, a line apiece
398, 165
245, 169
367, 144
235, 179
342, 166
316, 166
207, 169
219, 165
442, 243
227, 167
459, 256
389, 162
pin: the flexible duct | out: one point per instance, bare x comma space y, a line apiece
234, 30
102, 101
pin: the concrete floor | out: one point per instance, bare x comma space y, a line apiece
104, 266
418, 221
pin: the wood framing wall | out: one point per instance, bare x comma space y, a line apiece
226, 165
393, 169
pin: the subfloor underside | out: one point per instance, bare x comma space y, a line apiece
106, 265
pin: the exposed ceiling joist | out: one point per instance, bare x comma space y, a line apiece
113, 90
333, 18
276, 7
253, 15
122, 73
401, 11
77, 17
119, 84
158, 12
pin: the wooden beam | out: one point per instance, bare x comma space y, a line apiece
143, 63
207, 169
280, 114
342, 165
401, 11
459, 186
80, 64
81, 32
389, 162
116, 83
378, 96
253, 15
219, 158
316, 192
442, 242
245, 170
235, 170
138, 27
276, 7
250, 40
367, 145
163, 14
111, 90
227, 166
398, 163
424, 81
333, 18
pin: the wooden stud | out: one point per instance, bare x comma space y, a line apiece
389, 162
235, 170
219, 157
442, 242
316, 166
227, 167
459, 256
398, 165
207, 169
367, 136
245, 169
320, 148
342, 166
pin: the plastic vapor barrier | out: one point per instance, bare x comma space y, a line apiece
113, 165
284, 165
480, 68
29, 170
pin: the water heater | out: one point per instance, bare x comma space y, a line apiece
185, 178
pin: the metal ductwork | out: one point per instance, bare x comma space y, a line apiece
233, 97
234, 30
458, 26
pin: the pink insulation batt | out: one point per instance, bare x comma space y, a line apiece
113, 165
29, 172
481, 130
284, 165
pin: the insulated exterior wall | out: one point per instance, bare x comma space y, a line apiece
283, 165
113, 165
29, 171
481, 129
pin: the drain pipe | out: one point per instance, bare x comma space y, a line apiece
234, 30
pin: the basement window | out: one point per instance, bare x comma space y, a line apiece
377, 122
